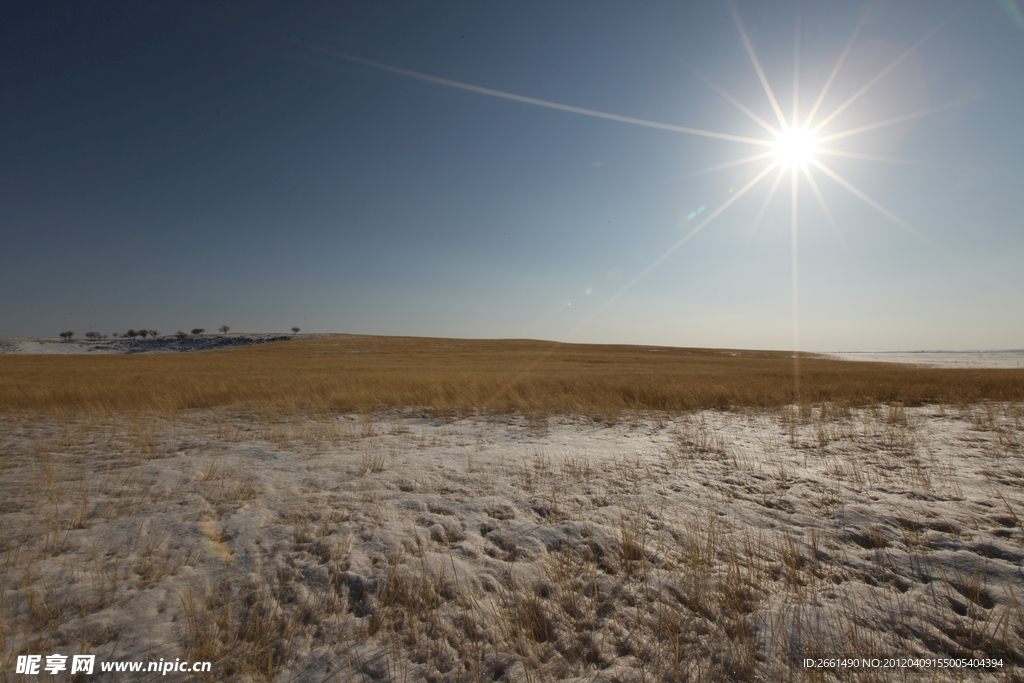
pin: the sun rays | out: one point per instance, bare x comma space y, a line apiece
792, 148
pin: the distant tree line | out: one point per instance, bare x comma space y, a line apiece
132, 334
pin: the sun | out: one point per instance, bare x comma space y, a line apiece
795, 147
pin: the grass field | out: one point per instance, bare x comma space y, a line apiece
358, 509
358, 373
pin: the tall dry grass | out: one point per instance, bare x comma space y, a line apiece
627, 585
350, 373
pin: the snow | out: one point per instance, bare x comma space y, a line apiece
900, 526
732, 539
166, 344
940, 359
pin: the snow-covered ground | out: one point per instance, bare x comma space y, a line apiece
166, 344
941, 359
713, 546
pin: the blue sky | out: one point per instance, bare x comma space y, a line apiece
171, 165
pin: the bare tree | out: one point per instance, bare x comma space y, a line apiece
143, 333
295, 330
181, 335
154, 334
198, 330
67, 335
224, 329
132, 334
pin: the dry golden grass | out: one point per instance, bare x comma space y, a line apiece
629, 574
352, 373
99, 449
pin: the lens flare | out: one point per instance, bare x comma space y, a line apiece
794, 151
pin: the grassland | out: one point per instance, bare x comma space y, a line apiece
358, 373
389, 509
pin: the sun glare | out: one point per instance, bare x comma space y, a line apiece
795, 147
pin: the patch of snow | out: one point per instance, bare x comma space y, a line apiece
167, 344
858, 524
940, 359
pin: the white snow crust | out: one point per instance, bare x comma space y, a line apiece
764, 536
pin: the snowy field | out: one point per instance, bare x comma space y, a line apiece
713, 546
28, 345
941, 359
399, 546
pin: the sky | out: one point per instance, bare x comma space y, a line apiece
540, 170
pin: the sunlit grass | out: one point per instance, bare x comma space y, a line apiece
411, 567
362, 373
